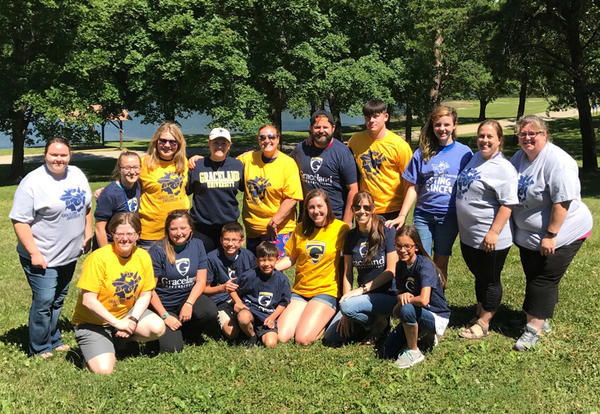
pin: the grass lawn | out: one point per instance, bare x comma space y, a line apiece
561, 375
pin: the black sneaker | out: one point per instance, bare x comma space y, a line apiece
251, 342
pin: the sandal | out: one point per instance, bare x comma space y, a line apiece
475, 331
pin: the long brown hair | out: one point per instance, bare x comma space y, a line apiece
166, 241
412, 232
376, 236
428, 141
308, 225
179, 159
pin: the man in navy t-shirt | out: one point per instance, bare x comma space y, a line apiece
324, 162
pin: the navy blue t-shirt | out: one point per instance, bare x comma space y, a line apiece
263, 293
332, 169
116, 199
215, 186
356, 246
422, 273
174, 282
220, 269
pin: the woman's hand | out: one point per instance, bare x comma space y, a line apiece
98, 192
351, 294
344, 327
193, 160
548, 246
405, 298
490, 240
38, 260
172, 323
125, 327
185, 314
398, 222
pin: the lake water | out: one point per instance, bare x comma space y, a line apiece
195, 124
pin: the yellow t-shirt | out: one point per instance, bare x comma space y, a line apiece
117, 281
317, 257
381, 163
266, 186
163, 190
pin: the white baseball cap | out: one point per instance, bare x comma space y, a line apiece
219, 133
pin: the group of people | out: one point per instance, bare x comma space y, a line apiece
163, 271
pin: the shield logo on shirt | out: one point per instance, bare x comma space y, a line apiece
362, 249
265, 298
315, 164
230, 273
315, 250
182, 266
410, 284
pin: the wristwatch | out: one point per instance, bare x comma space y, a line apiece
133, 318
550, 234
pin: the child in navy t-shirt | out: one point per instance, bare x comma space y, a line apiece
265, 293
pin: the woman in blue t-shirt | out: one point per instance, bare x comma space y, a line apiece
121, 195
179, 263
369, 247
422, 306
431, 177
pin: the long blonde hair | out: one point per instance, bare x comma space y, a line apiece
179, 159
428, 141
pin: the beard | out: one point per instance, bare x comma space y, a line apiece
321, 140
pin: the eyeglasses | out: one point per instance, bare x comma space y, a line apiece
168, 142
365, 207
530, 134
127, 169
121, 236
404, 246
270, 136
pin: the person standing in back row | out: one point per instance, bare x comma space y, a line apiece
381, 156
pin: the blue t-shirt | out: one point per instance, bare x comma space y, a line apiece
116, 199
174, 282
263, 293
215, 186
436, 179
356, 246
220, 269
421, 274
332, 169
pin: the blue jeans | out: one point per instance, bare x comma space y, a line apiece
361, 309
410, 315
49, 287
439, 230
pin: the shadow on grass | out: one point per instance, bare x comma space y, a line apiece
19, 336
508, 322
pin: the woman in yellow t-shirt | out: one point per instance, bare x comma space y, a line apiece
116, 284
163, 177
314, 247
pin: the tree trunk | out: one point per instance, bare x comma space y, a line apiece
580, 86
408, 124
19, 125
482, 106
335, 111
522, 94
434, 94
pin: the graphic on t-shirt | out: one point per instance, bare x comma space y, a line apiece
74, 199
258, 188
465, 179
372, 162
265, 298
171, 183
411, 284
362, 249
132, 205
524, 182
440, 168
126, 285
182, 266
219, 179
315, 250
315, 164
230, 273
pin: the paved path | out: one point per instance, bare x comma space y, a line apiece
95, 154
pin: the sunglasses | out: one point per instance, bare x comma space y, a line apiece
168, 142
270, 136
366, 208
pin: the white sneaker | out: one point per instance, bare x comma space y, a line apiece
408, 358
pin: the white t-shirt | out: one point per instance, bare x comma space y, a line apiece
553, 177
56, 210
481, 188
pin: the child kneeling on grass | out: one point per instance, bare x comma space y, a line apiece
226, 264
422, 306
265, 293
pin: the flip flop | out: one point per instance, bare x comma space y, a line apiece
470, 333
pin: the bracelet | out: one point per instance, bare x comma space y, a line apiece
189, 303
164, 316
133, 318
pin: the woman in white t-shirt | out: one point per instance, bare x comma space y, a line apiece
550, 221
486, 190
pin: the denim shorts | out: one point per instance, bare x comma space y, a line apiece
439, 230
323, 298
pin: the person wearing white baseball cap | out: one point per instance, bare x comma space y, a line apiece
214, 183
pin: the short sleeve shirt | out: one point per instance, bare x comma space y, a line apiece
115, 199
263, 293
220, 269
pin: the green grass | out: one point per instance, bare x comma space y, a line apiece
561, 375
